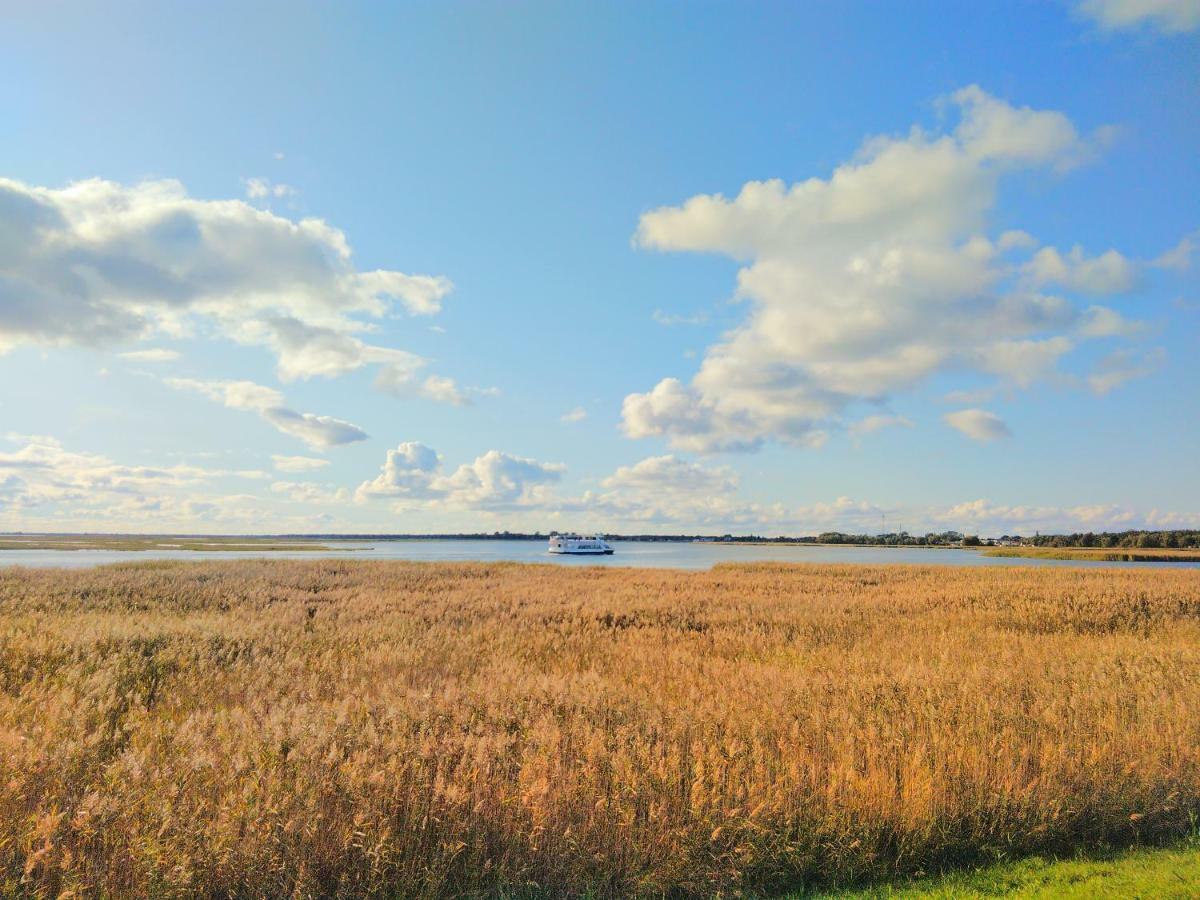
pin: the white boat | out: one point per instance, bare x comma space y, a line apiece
583, 544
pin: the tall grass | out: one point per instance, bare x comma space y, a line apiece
271, 728
1110, 554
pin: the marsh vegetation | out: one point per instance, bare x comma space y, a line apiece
1096, 553
332, 728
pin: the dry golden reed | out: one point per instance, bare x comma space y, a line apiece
325, 728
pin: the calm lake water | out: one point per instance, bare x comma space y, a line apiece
628, 553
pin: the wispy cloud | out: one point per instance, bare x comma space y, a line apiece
311, 494
1167, 16
670, 319
1179, 257
152, 355
298, 463
871, 424
1124, 365
319, 432
978, 424
963, 398
262, 188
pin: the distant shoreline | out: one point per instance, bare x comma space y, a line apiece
1123, 548
880, 546
134, 542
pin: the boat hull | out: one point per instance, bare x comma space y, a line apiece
579, 545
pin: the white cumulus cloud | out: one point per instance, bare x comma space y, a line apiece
662, 490
412, 474
993, 519
1108, 273
44, 481
669, 474
864, 285
100, 264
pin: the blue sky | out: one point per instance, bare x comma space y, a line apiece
653, 267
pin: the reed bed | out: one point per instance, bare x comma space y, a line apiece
328, 728
1106, 554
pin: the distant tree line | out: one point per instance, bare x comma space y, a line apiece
899, 539
1180, 539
